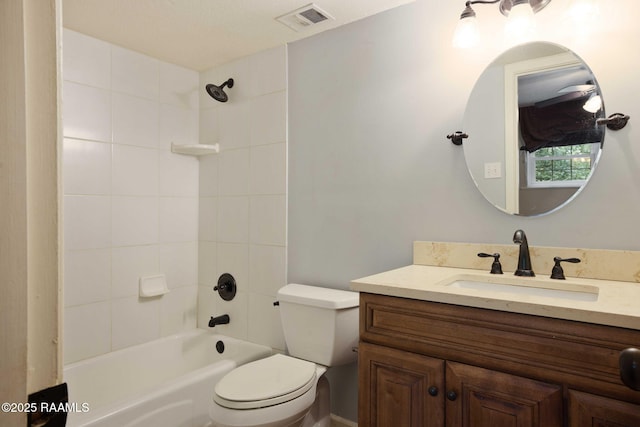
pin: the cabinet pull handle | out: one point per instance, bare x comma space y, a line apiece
433, 390
452, 395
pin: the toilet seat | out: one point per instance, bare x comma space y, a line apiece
265, 382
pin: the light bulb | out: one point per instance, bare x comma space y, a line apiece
466, 35
520, 26
593, 104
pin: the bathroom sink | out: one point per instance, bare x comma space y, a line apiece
563, 291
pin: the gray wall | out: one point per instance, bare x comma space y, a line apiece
370, 169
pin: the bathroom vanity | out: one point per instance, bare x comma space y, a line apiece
433, 353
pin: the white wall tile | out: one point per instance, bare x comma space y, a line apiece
233, 219
178, 310
234, 125
86, 60
267, 269
208, 179
254, 118
178, 175
87, 331
87, 222
268, 71
179, 263
177, 125
136, 121
264, 325
208, 218
87, 276
135, 221
130, 263
86, 167
268, 171
207, 263
135, 171
209, 125
86, 112
268, 220
233, 258
135, 74
121, 112
268, 118
206, 305
134, 321
179, 86
178, 219
233, 172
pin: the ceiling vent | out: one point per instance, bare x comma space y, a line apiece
303, 18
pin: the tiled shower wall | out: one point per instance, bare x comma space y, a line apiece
243, 202
130, 205
132, 208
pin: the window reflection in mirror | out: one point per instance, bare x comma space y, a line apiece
534, 149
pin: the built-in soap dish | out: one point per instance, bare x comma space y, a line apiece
153, 286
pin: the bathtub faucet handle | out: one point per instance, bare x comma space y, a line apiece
220, 320
226, 287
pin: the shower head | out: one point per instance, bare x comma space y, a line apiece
217, 92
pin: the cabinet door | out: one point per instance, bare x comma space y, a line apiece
483, 398
399, 388
590, 410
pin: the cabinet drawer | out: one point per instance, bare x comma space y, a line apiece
559, 351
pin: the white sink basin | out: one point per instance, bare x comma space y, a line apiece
564, 291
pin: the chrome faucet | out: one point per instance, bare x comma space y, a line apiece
524, 259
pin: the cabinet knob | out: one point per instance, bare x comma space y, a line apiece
433, 391
452, 395
630, 368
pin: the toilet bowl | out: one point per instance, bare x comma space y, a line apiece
276, 391
321, 328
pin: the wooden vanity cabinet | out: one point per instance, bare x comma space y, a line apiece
431, 364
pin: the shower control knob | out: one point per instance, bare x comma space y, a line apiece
226, 287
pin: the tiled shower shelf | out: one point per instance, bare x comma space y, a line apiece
195, 149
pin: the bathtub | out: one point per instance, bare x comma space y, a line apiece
164, 383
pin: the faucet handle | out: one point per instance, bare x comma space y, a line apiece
496, 267
557, 272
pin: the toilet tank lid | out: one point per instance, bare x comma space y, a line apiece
318, 297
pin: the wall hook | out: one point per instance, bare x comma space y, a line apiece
615, 121
457, 137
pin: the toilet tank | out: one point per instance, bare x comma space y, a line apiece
320, 324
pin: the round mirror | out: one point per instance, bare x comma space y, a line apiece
531, 119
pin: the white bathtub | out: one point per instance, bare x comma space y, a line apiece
164, 383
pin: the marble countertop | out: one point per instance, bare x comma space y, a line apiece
617, 303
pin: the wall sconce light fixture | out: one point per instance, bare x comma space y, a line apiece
519, 27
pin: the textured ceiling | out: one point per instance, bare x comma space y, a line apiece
200, 34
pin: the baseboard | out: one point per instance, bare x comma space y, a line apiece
337, 421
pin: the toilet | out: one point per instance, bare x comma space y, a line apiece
321, 329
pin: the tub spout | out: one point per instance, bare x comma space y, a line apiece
220, 320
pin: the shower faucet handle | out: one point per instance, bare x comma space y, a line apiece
496, 267
226, 287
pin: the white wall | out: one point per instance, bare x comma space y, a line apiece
370, 169
130, 205
29, 134
242, 228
